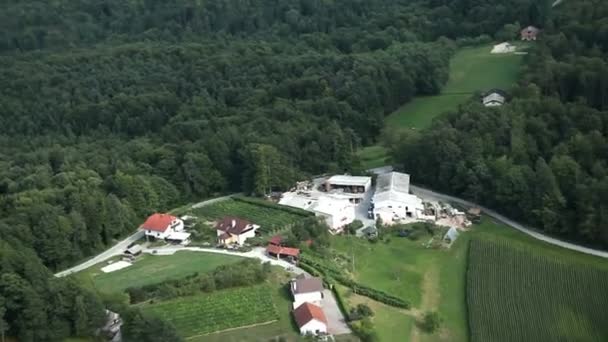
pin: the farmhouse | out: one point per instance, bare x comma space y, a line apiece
165, 226
306, 290
310, 319
336, 211
279, 251
392, 200
494, 98
503, 48
234, 231
529, 33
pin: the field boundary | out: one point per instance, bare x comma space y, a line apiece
232, 329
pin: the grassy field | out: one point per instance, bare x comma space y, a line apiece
221, 310
532, 296
269, 219
150, 269
373, 156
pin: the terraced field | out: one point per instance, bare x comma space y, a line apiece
516, 294
269, 219
218, 311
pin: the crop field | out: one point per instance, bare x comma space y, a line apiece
269, 219
517, 294
222, 310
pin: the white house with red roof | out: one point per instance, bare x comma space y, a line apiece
234, 230
165, 226
310, 319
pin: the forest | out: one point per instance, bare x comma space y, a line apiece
542, 158
112, 110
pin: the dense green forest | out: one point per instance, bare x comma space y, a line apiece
543, 157
112, 110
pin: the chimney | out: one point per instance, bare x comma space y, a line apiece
233, 223
294, 285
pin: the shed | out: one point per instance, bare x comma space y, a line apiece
451, 235
529, 33
134, 250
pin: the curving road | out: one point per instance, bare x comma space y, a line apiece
426, 193
118, 248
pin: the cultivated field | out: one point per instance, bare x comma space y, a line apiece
222, 310
269, 219
150, 269
515, 293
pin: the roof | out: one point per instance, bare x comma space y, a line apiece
452, 234
297, 201
158, 222
307, 285
288, 251
530, 29
474, 211
393, 181
233, 225
307, 312
494, 97
275, 240
135, 249
349, 180
331, 205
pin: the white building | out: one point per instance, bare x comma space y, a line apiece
493, 99
310, 319
165, 226
503, 48
392, 200
306, 290
234, 231
349, 184
336, 211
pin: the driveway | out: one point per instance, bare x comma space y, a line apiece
361, 209
336, 324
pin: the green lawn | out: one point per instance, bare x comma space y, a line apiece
218, 311
269, 219
373, 156
505, 301
150, 269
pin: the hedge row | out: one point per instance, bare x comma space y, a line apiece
263, 203
357, 288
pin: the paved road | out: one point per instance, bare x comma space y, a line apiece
426, 193
336, 324
118, 248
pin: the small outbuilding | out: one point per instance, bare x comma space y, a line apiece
529, 33
451, 235
134, 250
494, 98
278, 252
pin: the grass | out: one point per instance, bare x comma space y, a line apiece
150, 269
217, 311
506, 302
269, 219
373, 156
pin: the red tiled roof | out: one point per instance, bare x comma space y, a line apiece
287, 251
233, 225
158, 222
307, 312
276, 240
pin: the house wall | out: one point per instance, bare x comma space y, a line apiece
313, 327
243, 237
312, 297
178, 226
387, 210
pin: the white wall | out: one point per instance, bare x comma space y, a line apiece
313, 327
340, 218
243, 237
389, 209
301, 298
179, 226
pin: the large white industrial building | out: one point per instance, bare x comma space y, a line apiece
392, 200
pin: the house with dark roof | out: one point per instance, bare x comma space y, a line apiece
306, 289
310, 319
165, 226
234, 231
529, 33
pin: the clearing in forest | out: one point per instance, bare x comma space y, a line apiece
515, 293
218, 311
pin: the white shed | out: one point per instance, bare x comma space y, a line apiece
503, 48
392, 201
451, 235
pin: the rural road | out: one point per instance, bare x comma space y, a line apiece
118, 248
256, 253
426, 193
